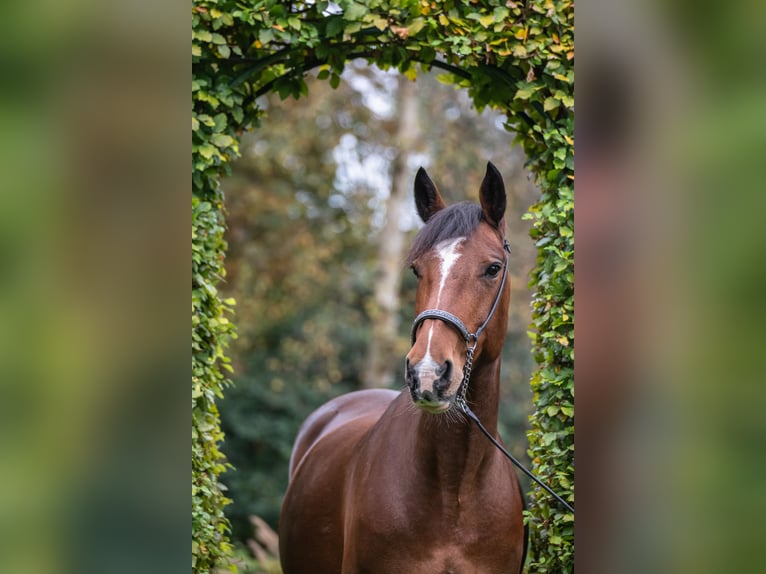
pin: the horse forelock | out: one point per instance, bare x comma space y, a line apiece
458, 220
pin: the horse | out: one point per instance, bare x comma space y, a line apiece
388, 482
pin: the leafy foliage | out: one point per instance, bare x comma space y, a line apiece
517, 57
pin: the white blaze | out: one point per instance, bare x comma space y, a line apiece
448, 253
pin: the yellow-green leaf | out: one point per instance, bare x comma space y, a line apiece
203, 35
379, 22
222, 140
486, 20
416, 26
550, 104
519, 51
524, 93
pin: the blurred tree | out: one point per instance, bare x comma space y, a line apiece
299, 268
314, 212
382, 352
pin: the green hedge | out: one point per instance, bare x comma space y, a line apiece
517, 57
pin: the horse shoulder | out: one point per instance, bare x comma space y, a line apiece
362, 406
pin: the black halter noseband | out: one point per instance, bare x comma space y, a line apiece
471, 340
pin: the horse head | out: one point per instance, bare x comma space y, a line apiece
460, 259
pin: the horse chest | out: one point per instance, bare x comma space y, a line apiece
434, 557
456, 538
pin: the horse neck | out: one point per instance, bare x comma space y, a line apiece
453, 452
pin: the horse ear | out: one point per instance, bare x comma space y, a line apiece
428, 200
492, 196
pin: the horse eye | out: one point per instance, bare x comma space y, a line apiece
492, 270
415, 271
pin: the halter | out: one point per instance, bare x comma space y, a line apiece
471, 339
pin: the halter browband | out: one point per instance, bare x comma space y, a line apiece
471, 339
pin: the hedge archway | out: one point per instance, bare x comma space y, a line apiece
517, 57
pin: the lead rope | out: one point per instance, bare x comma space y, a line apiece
467, 410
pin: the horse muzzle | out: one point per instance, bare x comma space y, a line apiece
429, 384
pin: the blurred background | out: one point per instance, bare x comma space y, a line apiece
671, 132
320, 214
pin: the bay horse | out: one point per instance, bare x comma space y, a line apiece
390, 482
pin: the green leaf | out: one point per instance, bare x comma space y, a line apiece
219, 122
550, 104
500, 14
416, 26
486, 20
334, 26
427, 54
203, 35
524, 93
207, 151
355, 11
379, 22
265, 35
222, 140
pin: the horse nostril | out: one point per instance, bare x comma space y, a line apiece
410, 376
445, 374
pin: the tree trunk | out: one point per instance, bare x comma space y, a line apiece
383, 362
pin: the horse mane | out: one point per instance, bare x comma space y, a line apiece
458, 220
